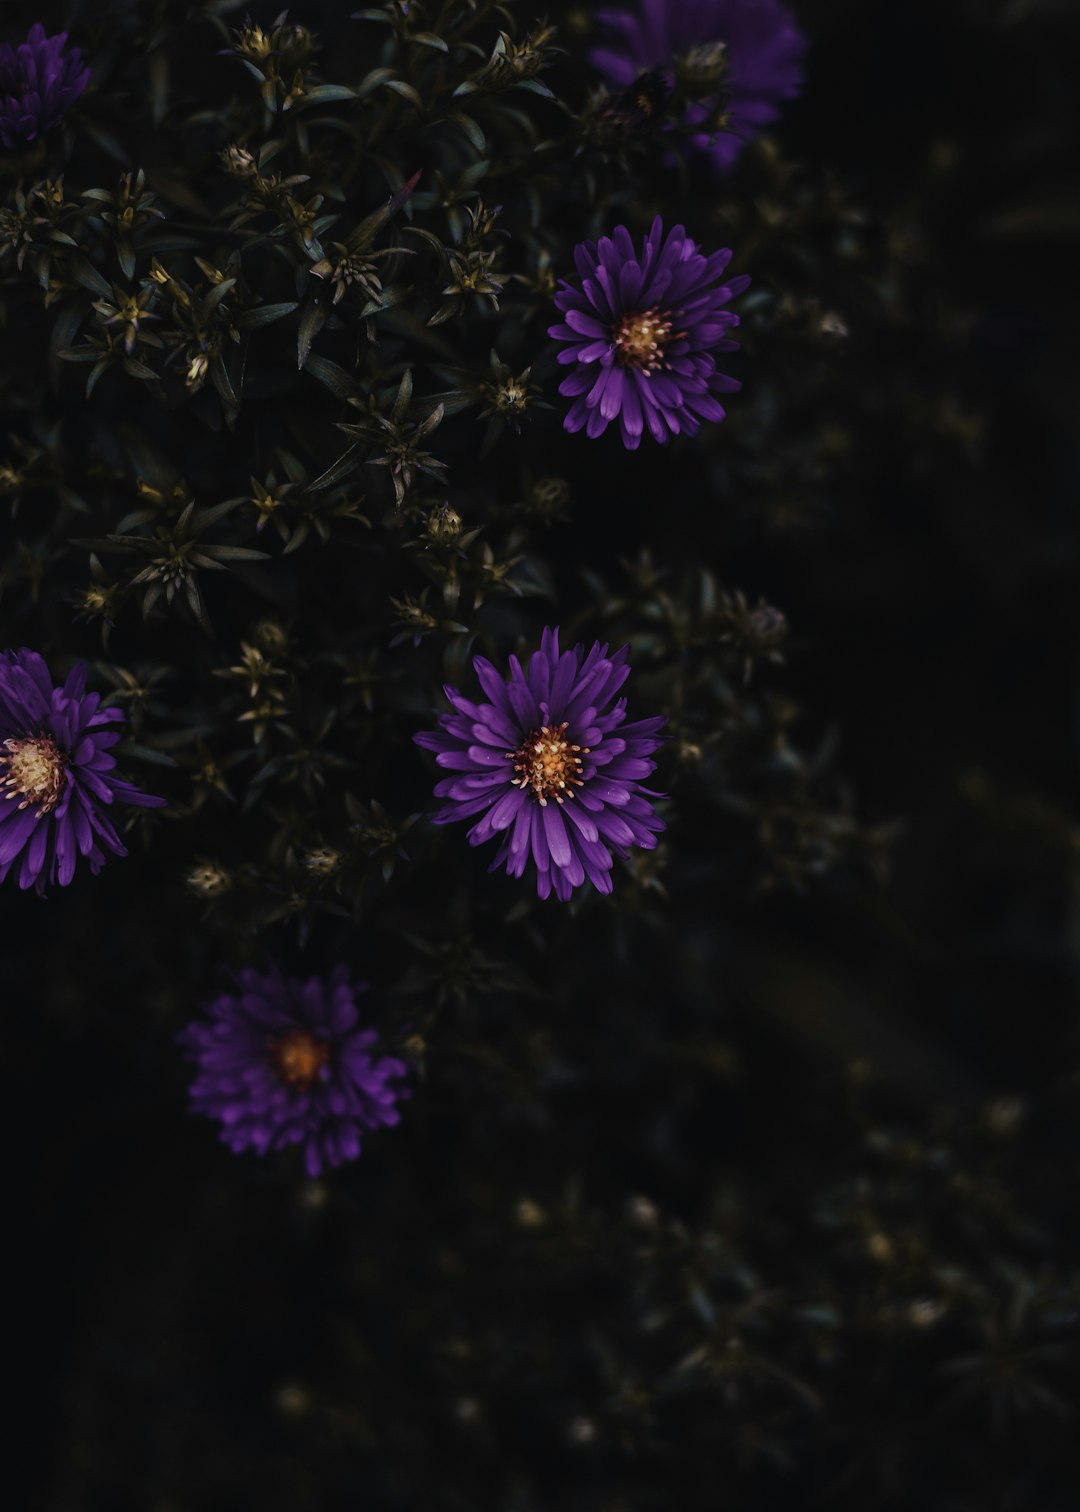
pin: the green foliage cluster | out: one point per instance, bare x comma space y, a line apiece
311, 462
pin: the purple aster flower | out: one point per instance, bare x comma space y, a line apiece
38, 81
56, 774
642, 328
283, 1062
547, 765
739, 57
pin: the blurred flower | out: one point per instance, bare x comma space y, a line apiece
733, 60
38, 81
282, 1061
541, 736
56, 774
642, 328
208, 879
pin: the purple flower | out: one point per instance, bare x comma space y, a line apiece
38, 81
283, 1062
742, 57
642, 328
549, 767
56, 774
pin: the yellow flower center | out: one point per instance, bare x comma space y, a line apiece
35, 772
298, 1058
547, 764
640, 337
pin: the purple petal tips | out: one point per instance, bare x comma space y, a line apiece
286, 1062
39, 80
56, 774
640, 326
548, 766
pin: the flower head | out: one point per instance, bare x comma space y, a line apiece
735, 60
282, 1062
641, 328
38, 81
548, 765
56, 774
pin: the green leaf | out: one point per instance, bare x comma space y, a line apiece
388, 297
250, 320
95, 374
470, 128
454, 402
337, 472
87, 275
217, 294
136, 752
210, 515
238, 554
138, 369
223, 383
369, 227
428, 236
371, 81
340, 383
323, 93
316, 313
535, 86
406, 91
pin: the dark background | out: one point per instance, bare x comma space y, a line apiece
817, 1140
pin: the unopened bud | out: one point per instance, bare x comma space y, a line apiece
444, 524
208, 880
239, 161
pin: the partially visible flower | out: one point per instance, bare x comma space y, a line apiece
38, 81
735, 61
282, 1061
56, 774
546, 765
642, 328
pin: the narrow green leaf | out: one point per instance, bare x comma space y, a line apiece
340, 383
406, 91
323, 93
238, 554
338, 471
250, 320
138, 369
535, 86
217, 294
223, 383
371, 81
136, 752
316, 313
88, 276
470, 128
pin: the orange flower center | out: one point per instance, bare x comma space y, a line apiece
640, 337
298, 1058
34, 771
547, 764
